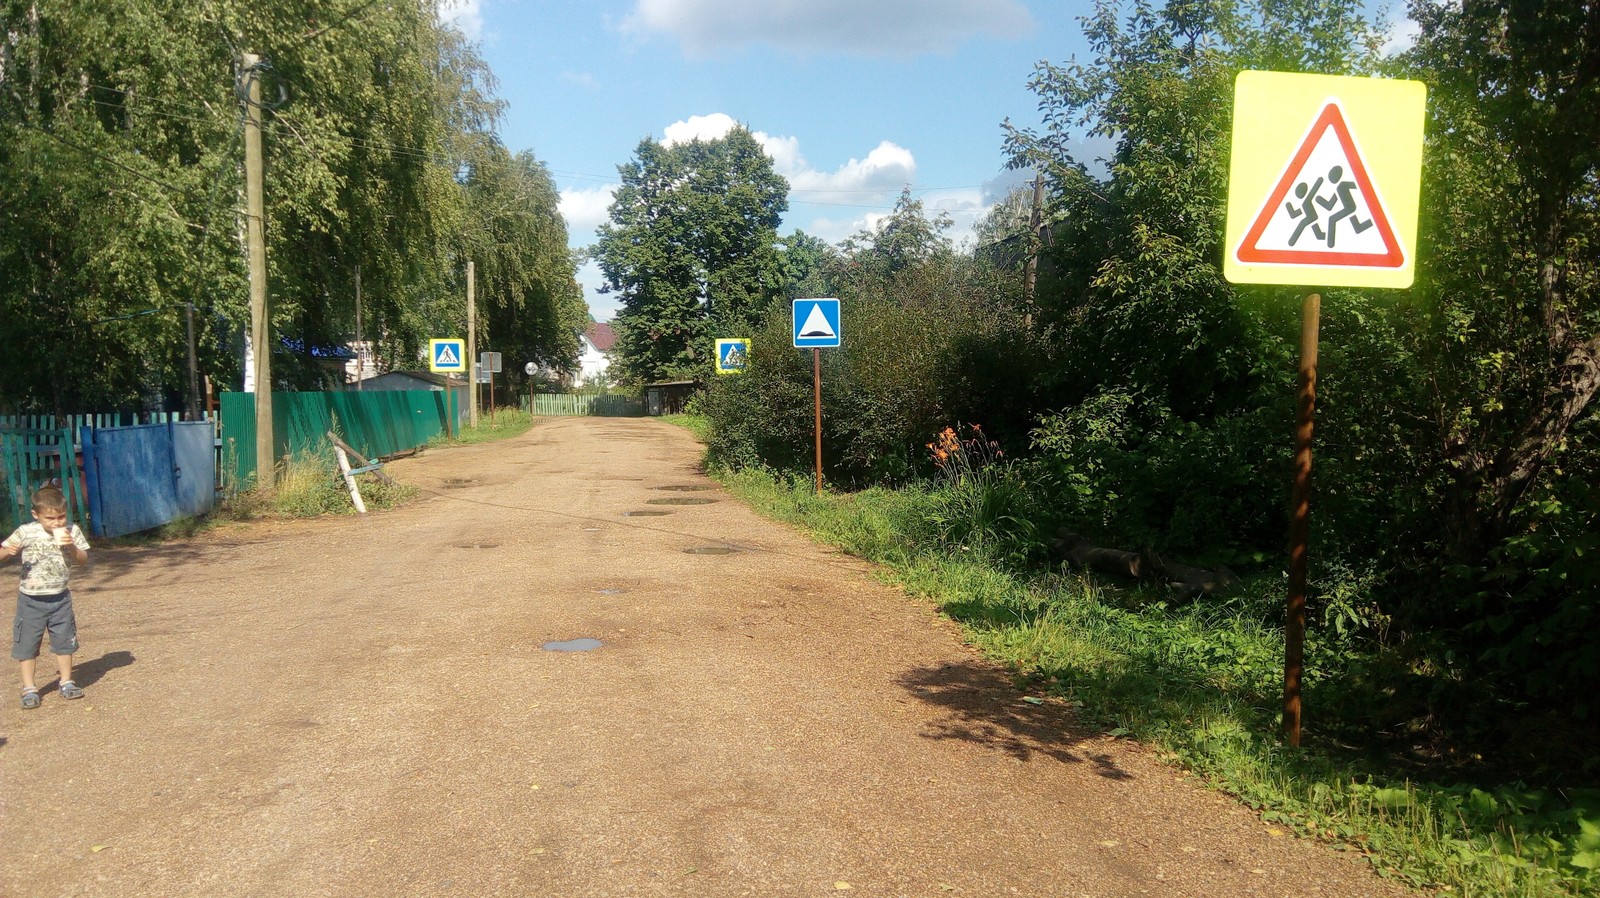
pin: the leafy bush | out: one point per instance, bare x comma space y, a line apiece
923, 346
1125, 468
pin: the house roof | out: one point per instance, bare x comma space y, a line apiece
440, 380
602, 335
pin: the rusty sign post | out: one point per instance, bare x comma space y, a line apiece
1294, 636
816, 325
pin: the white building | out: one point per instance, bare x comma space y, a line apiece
594, 355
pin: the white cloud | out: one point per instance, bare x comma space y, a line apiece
871, 180
860, 27
466, 15
585, 210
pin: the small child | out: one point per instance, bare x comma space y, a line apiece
43, 600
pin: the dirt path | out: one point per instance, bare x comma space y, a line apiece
362, 707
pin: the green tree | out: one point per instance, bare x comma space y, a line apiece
805, 262
120, 193
1511, 222
691, 248
906, 237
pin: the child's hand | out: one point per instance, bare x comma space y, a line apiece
8, 551
63, 536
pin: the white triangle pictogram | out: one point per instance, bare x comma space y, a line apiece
1324, 208
816, 324
447, 357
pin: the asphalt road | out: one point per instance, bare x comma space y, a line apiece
366, 707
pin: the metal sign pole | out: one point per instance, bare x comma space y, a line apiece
816, 390
1300, 520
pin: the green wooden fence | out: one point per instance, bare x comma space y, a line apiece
375, 422
31, 457
575, 404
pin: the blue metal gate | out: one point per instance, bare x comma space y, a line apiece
142, 477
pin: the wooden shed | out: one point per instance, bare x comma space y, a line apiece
668, 398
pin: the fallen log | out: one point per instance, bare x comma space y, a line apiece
1189, 582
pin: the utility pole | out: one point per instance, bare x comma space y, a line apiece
194, 376
360, 350
1034, 219
256, 244
472, 347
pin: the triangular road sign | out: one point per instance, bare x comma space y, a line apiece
447, 357
1324, 210
816, 324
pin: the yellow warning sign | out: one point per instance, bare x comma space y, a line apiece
1324, 180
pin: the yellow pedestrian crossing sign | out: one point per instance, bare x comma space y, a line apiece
733, 355
447, 356
1324, 180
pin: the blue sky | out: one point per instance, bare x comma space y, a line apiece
853, 99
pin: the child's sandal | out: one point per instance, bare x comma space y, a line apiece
70, 689
30, 699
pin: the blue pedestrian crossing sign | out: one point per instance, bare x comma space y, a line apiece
447, 356
816, 323
733, 355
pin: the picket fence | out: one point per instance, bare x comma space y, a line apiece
567, 404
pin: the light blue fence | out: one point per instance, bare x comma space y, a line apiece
145, 476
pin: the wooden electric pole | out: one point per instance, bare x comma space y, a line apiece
361, 354
256, 247
194, 375
472, 348
1035, 219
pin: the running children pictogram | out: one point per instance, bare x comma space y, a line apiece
1334, 202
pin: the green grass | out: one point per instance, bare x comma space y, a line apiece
504, 423
699, 425
1201, 684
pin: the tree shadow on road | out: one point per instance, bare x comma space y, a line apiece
983, 707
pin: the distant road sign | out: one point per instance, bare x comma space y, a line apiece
489, 361
733, 355
1332, 203
447, 356
816, 323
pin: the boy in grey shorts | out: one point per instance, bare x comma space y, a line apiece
43, 601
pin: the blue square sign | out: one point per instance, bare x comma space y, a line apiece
447, 355
816, 323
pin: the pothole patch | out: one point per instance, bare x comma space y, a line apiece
455, 483
711, 550
681, 500
645, 514
584, 644
686, 487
